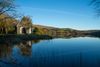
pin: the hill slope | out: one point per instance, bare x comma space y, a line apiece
64, 32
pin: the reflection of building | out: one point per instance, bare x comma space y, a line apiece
25, 48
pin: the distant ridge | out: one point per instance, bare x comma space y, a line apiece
65, 32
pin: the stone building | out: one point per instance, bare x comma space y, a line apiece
23, 29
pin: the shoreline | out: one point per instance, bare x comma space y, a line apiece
13, 38
17, 38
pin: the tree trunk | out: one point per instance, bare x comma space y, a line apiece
1, 30
6, 31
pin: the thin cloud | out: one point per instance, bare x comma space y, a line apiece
55, 11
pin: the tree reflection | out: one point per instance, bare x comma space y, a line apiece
7, 50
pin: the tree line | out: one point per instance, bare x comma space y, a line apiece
8, 15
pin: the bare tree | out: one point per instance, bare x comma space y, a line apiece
96, 6
7, 14
7, 7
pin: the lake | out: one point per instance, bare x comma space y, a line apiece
72, 52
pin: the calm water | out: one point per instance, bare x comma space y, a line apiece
74, 52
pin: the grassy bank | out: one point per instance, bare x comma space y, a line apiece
19, 38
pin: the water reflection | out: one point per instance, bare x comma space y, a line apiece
6, 51
76, 52
25, 47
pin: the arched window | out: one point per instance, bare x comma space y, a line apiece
22, 30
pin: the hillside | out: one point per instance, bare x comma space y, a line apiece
64, 32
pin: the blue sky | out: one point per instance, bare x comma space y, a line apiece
76, 14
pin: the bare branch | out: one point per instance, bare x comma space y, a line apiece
96, 6
6, 6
